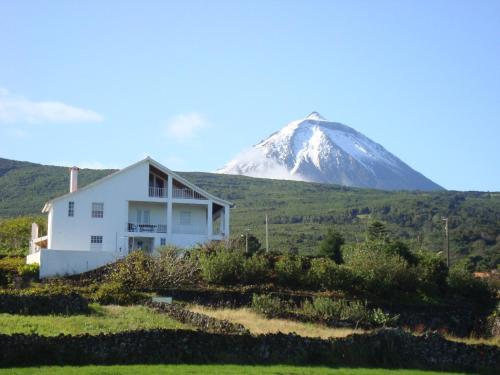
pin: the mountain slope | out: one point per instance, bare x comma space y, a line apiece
314, 149
299, 212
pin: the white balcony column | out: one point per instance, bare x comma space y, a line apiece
169, 207
222, 219
209, 219
226, 221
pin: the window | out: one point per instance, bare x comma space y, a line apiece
142, 216
95, 242
97, 210
185, 218
163, 241
71, 209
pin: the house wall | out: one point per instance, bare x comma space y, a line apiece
157, 212
121, 195
69, 262
198, 219
73, 233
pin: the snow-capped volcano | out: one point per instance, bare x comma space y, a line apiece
314, 149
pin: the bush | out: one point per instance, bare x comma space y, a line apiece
331, 244
114, 293
134, 272
432, 273
327, 309
255, 269
29, 271
240, 243
326, 274
323, 308
9, 266
269, 306
289, 271
380, 273
173, 268
462, 283
380, 318
223, 266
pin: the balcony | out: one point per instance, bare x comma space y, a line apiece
146, 228
157, 192
186, 193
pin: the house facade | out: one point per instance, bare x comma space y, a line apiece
143, 206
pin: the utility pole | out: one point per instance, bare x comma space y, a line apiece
267, 237
246, 240
445, 219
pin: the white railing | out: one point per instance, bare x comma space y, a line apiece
146, 228
157, 192
186, 193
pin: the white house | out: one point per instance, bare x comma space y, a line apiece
143, 206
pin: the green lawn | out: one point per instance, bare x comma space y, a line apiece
206, 369
102, 319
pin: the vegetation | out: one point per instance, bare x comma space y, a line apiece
300, 213
142, 272
207, 369
222, 267
15, 233
258, 324
331, 244
102, 319
322, 309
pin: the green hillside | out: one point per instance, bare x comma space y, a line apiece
300, 212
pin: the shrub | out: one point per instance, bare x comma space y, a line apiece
9, 268
223, 266
255, 269
401, 249
331, 244
114, 293
380, 318
134, 272
174, 268
323, 308
381, 273
432, 273
240, 243
30, 271
356, 311
289, 270
462, 283
326, 274
269, 306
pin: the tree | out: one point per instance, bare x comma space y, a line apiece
377, 231
331, 246
253, 243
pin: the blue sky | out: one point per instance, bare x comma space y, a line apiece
193, 83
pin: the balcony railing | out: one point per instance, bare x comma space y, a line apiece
147, 228
157, 192
186, 193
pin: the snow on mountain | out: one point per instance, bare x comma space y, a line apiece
317, 150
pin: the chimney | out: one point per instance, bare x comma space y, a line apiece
73, 179
34, 231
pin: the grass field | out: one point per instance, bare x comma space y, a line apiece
207, 369
258, 324
103, 319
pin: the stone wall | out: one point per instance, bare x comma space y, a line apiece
390, 348
30, 303
201, 321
